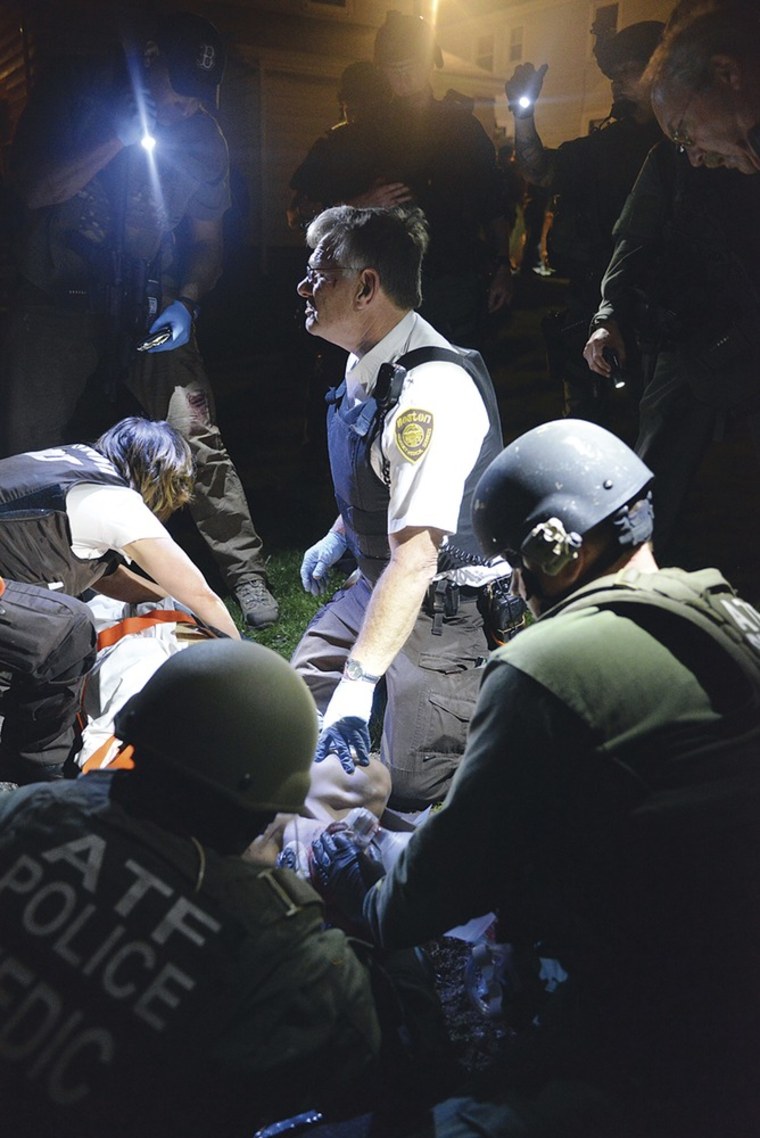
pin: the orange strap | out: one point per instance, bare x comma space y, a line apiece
122, 760
132, 624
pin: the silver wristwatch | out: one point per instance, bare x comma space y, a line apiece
353, 670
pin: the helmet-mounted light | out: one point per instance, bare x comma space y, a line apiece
549, 547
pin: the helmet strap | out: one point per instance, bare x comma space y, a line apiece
634, 525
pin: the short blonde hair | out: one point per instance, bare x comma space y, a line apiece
154, 459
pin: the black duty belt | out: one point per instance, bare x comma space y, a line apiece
444, 598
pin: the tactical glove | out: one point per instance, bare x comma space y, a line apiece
345, 725
342, 873
347, 738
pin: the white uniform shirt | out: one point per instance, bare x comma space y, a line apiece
431, 439
430, 454
102, 518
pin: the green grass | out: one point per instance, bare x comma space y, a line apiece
296, 606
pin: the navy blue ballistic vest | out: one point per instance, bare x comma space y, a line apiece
361, 496
35, 538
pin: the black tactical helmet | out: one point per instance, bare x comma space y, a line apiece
403, 37
232, 717
568, 471
634, 43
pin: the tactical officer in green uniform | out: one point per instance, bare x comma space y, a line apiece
606, 808
154, 982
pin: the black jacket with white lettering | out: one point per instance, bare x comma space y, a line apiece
153, 987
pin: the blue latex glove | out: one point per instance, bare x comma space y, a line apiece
134, 116
347, 738
343, 873
318, 560
177, 317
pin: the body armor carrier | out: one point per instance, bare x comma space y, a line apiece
35, 538
701, 620
361, 496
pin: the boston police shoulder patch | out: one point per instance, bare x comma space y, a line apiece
414, 430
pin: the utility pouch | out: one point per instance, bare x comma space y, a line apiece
503, 612
441, 599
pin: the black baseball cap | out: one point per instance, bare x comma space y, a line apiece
634, 44
195, 55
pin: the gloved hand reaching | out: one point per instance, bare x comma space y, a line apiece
134, 116
345, 726
343, 873
176, 317
319, 559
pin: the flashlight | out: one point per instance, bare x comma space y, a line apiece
522, 106
148, 142
616, 370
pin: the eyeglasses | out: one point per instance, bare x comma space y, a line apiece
320, 274
682, 138
679, 134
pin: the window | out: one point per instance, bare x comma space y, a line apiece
484, 52
516, 44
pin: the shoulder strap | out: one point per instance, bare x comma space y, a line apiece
390, 383
390, 378
430, 355
132, 624
110, 755
713, 609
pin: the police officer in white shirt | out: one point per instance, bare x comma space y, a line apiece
410, 430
